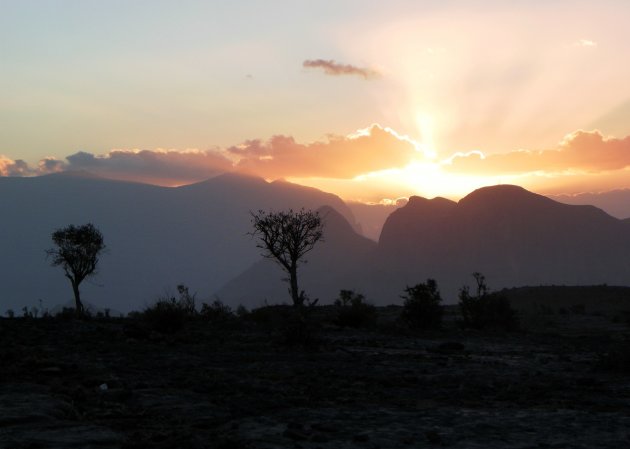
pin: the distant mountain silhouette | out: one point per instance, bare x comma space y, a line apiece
613, 202
371, 217
336, 263
157, 237
513, 236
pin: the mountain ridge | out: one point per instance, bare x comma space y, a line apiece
157, 237
513, 236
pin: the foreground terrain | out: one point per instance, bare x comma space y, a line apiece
117, 384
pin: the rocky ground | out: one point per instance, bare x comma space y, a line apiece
117, 384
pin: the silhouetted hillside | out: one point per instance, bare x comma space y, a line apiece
339, 262
157, 237
613, 202
511, 235
371, 217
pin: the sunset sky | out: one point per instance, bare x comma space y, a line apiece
369, 100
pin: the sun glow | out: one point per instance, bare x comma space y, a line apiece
428, 179
424, 122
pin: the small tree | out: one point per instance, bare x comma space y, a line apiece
422, 309
486, 310
286, 237
76, 250
354, 311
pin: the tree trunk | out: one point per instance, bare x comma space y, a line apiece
295, 294
78, 305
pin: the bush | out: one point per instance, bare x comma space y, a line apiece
354, 311
241, 311
66, 313
486, 310
422, 309
168, 315
217, 311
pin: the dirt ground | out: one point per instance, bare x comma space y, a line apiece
116, 384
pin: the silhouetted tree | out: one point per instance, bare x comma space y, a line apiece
354, 311
486, 309
76, 250
286, 237
422, 309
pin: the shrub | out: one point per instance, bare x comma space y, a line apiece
186, 300
66, 313
241, 311
486, 310
422, 309
217, 311
354, 311
168, 315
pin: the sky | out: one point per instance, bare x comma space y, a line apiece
369, 100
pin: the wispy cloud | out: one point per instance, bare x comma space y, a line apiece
586, 43
333, 68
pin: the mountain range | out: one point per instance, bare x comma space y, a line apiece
156, 237
512, 236
614, 202
197, 235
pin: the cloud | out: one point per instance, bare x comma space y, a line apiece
333, 68
158, 166
373, 149
581, 151
10, 167
50, 165
342, 157
586, 43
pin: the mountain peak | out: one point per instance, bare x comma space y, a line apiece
505, 197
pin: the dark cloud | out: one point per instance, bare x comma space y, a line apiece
333, 68
50, 165
340, 157
161, 167
586, 151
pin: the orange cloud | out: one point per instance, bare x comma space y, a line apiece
582, 151
333, 68
10, 167
341, 157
